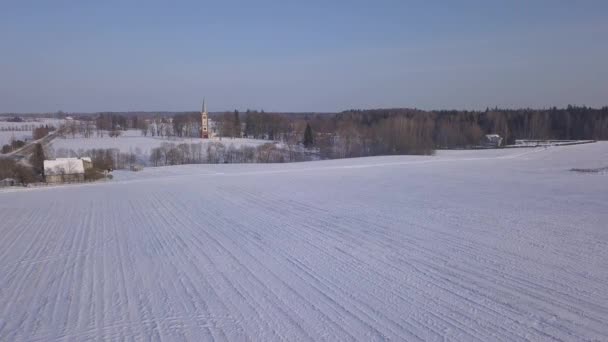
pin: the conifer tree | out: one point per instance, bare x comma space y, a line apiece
37, 159
237, 124
308, 137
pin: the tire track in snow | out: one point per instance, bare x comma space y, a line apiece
277, 256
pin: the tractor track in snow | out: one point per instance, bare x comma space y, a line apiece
448, 248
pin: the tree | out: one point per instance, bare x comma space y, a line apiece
23, 174
227, 125
237, 124
115, 133
308, 137
40, 132
37, 159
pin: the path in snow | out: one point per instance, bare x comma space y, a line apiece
465, 245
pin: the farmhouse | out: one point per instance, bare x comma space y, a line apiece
66, 170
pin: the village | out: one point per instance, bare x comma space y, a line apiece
89, 148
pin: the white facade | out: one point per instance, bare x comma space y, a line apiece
64, 166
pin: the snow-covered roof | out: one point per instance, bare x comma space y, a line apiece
63, 166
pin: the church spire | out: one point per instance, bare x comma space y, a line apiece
204, 122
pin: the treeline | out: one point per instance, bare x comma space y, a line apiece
465, 128
219, 153
355, 133
102, 158
19, 128
572, 123
112, 124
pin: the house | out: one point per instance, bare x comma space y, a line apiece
491, 141
65, 170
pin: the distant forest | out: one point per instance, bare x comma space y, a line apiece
413, 131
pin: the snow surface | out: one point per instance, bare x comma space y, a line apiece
7, 136
32, 123
15, 128
486, 245
132, 141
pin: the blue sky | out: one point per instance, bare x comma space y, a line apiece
301, 55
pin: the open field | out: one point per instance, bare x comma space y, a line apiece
485, 245
132, 141
23, 130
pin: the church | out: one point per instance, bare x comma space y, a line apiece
204, 122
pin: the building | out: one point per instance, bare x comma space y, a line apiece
204, 122
491, 141
66, 170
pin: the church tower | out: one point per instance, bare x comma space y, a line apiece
204, 122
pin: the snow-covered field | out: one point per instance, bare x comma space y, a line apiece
7, 136
133, 142
23, 130
31, 123
485, 245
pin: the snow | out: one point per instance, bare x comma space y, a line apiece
5, 125
132, 141
7, 136
23, 130
484, 245
541, 143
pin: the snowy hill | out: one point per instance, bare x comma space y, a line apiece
486, 245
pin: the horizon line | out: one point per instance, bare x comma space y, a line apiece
306, 112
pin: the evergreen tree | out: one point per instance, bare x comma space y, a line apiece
37, 159
237, 124
308, 137
249, 124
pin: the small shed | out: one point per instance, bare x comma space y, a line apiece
64, 170
491, 141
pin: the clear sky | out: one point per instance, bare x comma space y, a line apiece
301, 55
